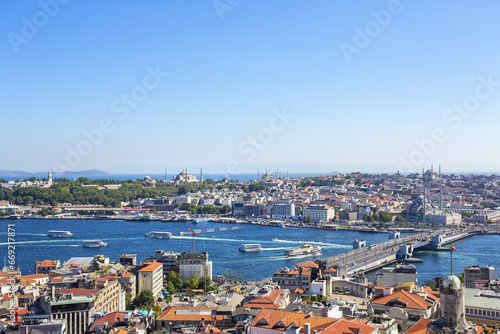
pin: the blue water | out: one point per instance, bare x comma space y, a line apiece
32, 244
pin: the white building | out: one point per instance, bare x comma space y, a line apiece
150, 277
319, 213
194, 264
283, 210
444, 218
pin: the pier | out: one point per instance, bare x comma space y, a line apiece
366, 258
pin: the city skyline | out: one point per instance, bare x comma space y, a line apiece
231, 87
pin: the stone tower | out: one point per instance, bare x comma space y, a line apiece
50, 178
452, 309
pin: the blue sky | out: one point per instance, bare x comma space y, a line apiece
233, 66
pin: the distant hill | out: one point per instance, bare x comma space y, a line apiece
9, 174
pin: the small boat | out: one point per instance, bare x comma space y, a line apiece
147, 217
178, 219
94, 243
155, 234
246, 248
60, 234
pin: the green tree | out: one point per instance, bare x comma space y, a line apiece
308, 219
144, 299
176, 280
171, 288
400, 219
158, 311
192, 283
128, 302
204, 283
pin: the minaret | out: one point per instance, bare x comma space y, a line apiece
439, 170
166, 177
201, 175
287, 174
186, 174
50, 177
258, 174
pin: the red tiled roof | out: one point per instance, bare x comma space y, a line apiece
151, 266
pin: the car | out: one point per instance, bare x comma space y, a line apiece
297, 308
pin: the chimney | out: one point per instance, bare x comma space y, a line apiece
307, 328
53, 292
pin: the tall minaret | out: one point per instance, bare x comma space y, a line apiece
201, 175
287, 174
440, 170
166, 178
258, 174
186, 174
50, 177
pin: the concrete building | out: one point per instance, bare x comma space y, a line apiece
194, 263
169, 259
482, 307
128, 259
75, 306
109, 298
400, 274
44, 267
444, 218
474, 273
283, 210
150, 277
319, 213
238, 209
33, 324
128, 284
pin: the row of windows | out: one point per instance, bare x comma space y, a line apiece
483, 312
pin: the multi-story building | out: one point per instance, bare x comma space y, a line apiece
128, 284
482, 307
194, 263
298, 278
150, 277
75, 306
319, 213
169, 259
283, 210
474, 273
43, 267
128, 259
400, 274
109, 297
238, 209
444, 218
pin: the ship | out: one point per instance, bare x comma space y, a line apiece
155, 234
177, 218
146, 217
305, 249
250, 248
94, 243
60, 234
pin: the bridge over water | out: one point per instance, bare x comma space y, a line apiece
366, 258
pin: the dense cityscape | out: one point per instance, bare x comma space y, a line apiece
177, 291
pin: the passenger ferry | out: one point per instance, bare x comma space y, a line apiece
94, 243
155, 234
306, 249
60, 234
250, 248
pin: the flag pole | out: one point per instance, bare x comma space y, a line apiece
451, 258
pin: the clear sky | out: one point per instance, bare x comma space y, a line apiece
308, 86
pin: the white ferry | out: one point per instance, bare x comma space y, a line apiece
306, 249
250, 248
60, 234
155, 234
94, 243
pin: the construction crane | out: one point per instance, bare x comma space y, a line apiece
194, 233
